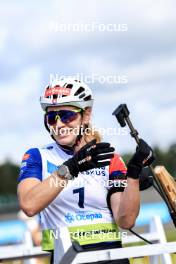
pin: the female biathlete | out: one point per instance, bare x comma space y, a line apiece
74, 181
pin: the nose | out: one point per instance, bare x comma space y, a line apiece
59, 123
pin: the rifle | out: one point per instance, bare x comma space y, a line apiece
163, 182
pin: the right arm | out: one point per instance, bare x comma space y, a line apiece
35, 195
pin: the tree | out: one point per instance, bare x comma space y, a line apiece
8, 177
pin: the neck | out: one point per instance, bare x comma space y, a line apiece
67, 149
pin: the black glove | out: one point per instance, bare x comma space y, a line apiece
90, 156
143, 157
145, 179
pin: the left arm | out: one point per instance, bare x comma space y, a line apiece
125, 205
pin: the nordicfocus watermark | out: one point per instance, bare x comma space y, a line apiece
106, 234
56, 182
56, 26
93, 77
88, 131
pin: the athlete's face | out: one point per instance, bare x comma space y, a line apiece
66, 133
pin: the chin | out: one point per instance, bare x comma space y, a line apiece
66, 141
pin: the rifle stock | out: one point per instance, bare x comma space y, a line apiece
168, 183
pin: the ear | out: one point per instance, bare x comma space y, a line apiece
87, 115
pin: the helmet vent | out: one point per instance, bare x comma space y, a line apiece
47, 88
55, 96
82, 95
69, 85
80, 90
87, 98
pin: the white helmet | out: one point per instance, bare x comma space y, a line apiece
67, 91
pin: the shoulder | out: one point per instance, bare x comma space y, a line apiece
31, 166
36, 150
31, 153
117, 165
34, 155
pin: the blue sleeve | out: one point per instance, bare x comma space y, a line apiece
31, 166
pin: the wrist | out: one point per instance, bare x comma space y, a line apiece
133, 171
64, 173
71, 167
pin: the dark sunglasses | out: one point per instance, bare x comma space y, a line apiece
66, 116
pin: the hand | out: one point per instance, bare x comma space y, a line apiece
90, 156
143, 157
